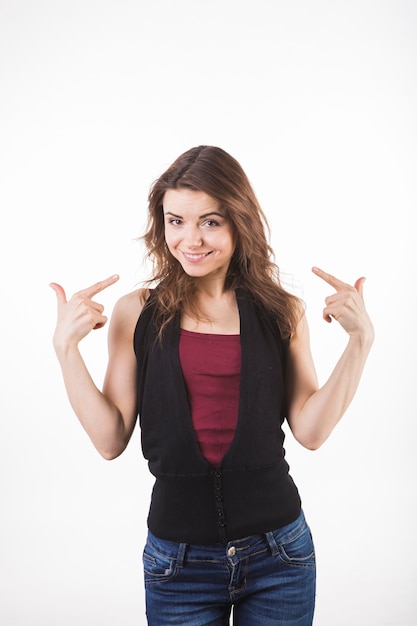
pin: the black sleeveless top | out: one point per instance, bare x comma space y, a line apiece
250, 491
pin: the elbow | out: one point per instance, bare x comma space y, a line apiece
110, 453
112, 446
309, 436
311, 445
311, 442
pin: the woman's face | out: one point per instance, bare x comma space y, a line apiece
198, 233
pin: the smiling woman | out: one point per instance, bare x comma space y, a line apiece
198, 234
216, 180
213, 360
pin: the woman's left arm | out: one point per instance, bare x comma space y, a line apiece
313, 412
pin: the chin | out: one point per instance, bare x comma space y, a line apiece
195, 273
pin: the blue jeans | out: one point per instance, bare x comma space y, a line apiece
269, 580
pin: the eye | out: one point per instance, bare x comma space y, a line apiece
175, 221
211, 223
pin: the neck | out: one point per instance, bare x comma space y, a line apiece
213, 288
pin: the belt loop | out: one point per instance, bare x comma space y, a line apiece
272, 543
181, 554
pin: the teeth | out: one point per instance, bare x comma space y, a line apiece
195, 256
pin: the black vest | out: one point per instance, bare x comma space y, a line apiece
251, 491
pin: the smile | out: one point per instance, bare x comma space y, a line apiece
195, 257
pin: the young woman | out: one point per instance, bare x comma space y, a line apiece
213, 359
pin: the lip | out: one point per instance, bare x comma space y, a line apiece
195, 257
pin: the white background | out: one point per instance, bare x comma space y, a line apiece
318, 102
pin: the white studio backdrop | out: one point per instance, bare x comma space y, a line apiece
318, 102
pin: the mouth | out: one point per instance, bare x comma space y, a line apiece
194, 258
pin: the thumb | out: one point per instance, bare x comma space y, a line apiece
359, 285
59, 292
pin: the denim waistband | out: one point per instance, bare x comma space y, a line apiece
236, 549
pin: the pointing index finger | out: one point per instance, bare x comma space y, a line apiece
89, 292
331, 280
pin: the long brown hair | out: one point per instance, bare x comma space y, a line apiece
215, 172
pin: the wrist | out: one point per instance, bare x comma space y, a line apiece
64, 349
363, 337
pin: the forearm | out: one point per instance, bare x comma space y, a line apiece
324, 408
100, 418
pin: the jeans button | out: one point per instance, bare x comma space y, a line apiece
231, 551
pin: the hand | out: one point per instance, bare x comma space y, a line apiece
347, 305
79, 315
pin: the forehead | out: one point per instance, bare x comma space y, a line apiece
187, 200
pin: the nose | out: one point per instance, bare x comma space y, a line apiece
193, 237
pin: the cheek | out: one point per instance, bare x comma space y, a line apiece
170, 241
229, 243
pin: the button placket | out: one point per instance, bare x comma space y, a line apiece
218, 495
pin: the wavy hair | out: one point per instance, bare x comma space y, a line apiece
215, 172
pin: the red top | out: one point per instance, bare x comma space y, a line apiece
211, 369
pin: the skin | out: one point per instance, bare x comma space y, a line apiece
199, 236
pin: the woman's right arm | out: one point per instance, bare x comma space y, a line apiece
108, 416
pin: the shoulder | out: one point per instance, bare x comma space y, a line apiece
127, 310
299, 343
132, 303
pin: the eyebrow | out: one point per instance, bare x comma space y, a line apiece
200, 217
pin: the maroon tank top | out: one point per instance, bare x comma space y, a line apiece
211, 369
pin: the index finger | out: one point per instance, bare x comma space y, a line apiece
339, 285
89, 292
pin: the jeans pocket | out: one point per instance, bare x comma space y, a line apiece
298, 550
157, 567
